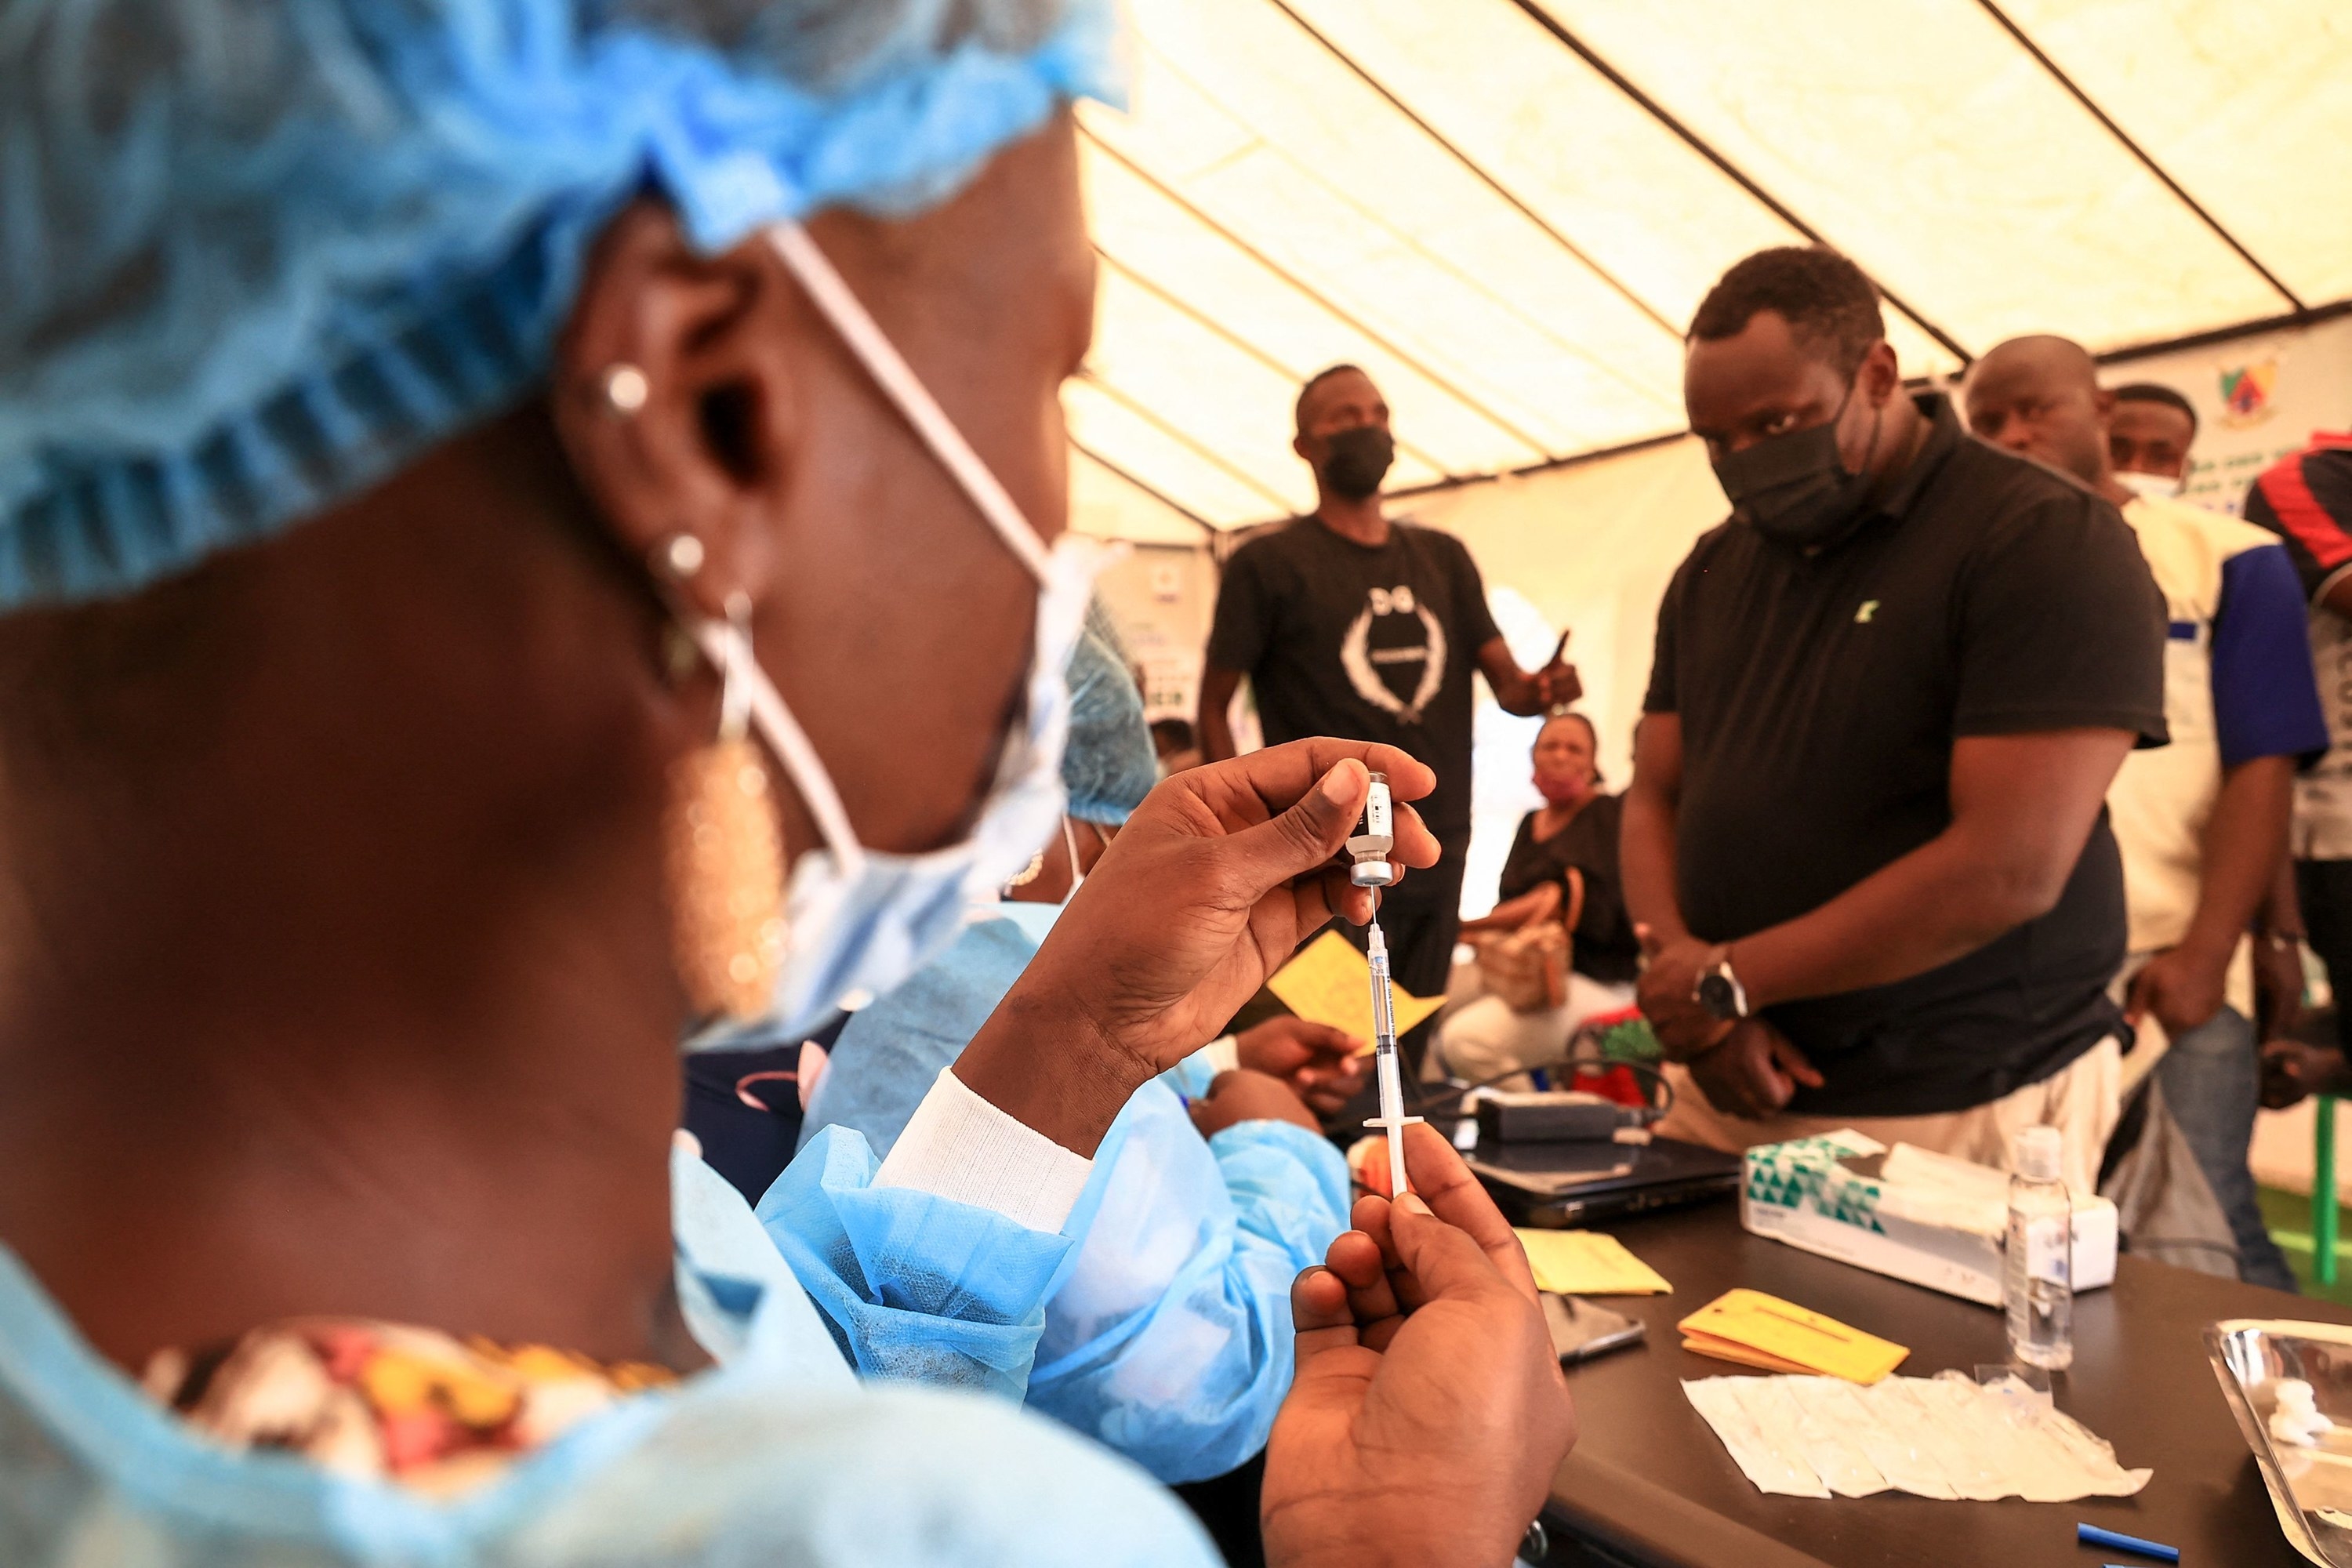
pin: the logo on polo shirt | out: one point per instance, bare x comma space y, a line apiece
1869, 608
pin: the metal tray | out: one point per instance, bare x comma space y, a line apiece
2310, 1488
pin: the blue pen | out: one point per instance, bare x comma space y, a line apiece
2092, 1535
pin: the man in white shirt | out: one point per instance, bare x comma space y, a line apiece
2148, 436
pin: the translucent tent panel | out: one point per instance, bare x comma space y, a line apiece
1550, 129
1163, 385
1199, 479
1255, 124
1149, 234
1598, 169
1445, 192
1108, 505
2248, 105
1924, 140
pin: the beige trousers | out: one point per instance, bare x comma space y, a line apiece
1478, 1035
2082, 1099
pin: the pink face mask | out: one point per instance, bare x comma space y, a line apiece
1561, 789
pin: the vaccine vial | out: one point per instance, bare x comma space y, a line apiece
2037, 1273
1373, 840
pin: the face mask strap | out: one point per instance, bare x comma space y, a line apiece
734, 696
1838, 417
913, 400
719, 642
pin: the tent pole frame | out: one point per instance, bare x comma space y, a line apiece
1182, 436
1733, 171
1478, 171
1154, 492
1372, 334
1226, 335
2146, 161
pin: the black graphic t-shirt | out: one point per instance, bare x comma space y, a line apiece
1362, 642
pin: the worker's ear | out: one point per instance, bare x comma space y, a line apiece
1879, 379
1299, 444
675, 394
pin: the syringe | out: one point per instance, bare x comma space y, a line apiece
1384, 1060
1370, 852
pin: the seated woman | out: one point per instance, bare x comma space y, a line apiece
1168, 1337
1562, 868
439, 474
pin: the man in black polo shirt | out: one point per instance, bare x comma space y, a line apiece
1351, 624
1866, 830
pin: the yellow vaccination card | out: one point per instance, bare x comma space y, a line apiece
1788, 1332
1724, 1350
1587, 1263
1329, 982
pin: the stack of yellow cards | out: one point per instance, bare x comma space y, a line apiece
1764, 1332
1329, 982
1587, 1263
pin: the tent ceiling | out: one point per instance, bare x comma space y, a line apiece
1506, 209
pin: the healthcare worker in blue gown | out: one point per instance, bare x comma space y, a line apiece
443, 448
1169, 1337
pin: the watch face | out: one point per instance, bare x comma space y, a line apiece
1715, 994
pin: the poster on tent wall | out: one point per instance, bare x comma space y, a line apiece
2257, 399
1161, 598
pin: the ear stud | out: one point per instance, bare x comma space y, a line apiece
678, 557
624, 388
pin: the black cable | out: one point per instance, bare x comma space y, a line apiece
1433, 1095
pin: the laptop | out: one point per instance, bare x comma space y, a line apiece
1553, 1185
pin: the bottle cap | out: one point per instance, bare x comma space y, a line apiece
2038, 1153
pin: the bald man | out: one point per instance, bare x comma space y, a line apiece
2201, 823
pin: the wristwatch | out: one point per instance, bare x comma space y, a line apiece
1719, 991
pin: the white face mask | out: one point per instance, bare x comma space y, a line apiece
858, 919
2158, 486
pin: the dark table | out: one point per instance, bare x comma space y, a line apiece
1649, 1485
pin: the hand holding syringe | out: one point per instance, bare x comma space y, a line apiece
1369, 851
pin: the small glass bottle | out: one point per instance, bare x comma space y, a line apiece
2037, 1277
1370, 848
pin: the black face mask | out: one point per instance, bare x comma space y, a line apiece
1795, 488
1355, 461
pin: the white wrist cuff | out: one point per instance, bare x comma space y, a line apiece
959, 1146
1223, 1054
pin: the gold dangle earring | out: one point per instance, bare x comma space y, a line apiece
723, 848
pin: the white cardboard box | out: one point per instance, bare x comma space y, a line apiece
1928, 1218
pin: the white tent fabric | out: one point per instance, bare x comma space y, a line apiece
1508, 209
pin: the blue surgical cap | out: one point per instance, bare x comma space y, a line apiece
1109, 764
256, 255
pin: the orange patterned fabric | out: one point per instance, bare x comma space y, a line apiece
372, 1399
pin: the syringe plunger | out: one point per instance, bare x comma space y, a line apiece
1392, 1119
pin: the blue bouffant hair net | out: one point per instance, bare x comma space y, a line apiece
256, 255
1108, 765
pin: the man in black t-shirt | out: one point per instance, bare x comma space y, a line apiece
1350, 625
1866, 830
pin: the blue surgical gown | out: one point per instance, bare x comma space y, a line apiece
1167, 1334
776, 1456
